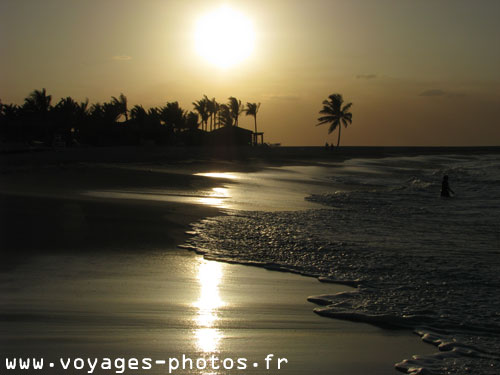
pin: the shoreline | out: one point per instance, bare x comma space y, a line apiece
257, 156
54, 202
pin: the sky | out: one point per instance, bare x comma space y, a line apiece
418, 72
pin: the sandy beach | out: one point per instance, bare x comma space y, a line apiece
154, 305
92, 275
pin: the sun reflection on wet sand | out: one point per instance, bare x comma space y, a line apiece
209, 277
210, 201
216, 197
207, 339
220, 192
228, 175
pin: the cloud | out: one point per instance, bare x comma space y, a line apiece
122, 58
366, 76
441, 93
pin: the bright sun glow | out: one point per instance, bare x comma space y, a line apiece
224, 37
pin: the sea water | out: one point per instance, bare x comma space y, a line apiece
418, 261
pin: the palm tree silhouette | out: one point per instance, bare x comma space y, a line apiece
201, 106
173, 116
225, 116
235, 108
212, 109
107, 113
138, 114
335, 114
216, 108
121, 102
10, 128
38, 102
191, 120
69, 114
251, 110
10, 111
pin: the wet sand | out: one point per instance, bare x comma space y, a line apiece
95, 277
171, 302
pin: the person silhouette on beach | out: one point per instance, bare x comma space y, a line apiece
445, 188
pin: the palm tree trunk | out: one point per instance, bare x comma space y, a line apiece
255, 120
338, 140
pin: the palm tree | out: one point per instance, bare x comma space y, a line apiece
201, 106
212, 108
107, 113
173, 116
335, 114
10, 126
225, 116
154, 115
251, 110
70, 115
215, 113
96, 110
138, 114
36, 112
121, 102
191, 120
236, 108
10, 111
38, 102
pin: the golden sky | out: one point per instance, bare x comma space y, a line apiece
420, 72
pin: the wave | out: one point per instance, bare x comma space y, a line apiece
417, 261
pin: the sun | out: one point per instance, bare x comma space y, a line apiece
224, 37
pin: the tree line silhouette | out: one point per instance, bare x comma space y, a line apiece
112, 123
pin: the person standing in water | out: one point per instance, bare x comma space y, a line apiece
445, 187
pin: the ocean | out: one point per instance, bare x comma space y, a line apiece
417, 261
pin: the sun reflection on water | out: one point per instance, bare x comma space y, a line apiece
209, 277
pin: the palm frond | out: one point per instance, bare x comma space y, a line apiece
333, 126
347, 107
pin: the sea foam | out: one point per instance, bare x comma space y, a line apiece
417, 261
